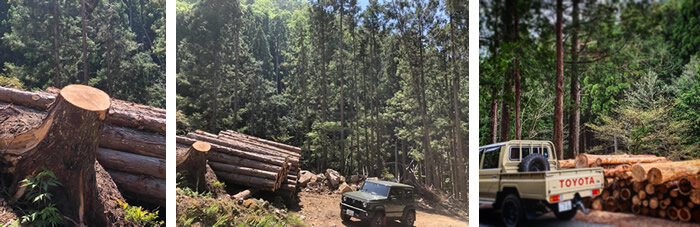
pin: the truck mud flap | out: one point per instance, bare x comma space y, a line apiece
580, 206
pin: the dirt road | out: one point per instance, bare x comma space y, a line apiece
323, 210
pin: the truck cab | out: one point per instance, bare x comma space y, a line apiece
523, 177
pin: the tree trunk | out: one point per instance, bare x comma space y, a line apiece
83, 21
68, 148
192, 165
56, 58
460, 185
559, 93
575, 118
494, 117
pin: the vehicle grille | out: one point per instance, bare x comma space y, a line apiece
354, 202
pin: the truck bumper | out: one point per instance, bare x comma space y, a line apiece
357, 212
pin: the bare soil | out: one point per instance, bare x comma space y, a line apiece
627, 219
321, 209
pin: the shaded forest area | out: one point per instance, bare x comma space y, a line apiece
592, 76
361, 89
116, 46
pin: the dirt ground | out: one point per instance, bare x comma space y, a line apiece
323, 210
627, 220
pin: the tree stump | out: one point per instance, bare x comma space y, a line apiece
192, 165
68, 141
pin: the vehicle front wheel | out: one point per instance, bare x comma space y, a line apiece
378, 220
408, 218
512, 210
566, 215
344, 216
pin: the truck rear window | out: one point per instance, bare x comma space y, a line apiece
490, 159
515, 152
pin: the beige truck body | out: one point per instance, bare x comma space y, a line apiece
553, 186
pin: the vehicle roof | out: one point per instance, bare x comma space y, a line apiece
514, 142
390, 184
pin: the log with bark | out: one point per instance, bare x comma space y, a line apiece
567, 164
640, 171
589, 160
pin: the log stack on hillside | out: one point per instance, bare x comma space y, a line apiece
647, 185
131, 144
250, 161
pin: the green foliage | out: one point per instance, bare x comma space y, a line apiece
139, 215
190, 192
10, 82
37, 193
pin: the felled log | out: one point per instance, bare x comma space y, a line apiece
149, 189
244, 194
640, 171
242, 147
613, 172
661, 174
597, 203
684, 214
567, 164
191, 165
66, 143
589, 160
228, 137
272, 143
36, 100
133, 141
131, 163
223, 148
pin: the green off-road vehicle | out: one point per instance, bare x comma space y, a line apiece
378, 201
522, 178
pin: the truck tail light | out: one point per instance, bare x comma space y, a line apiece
595, 191
554, 198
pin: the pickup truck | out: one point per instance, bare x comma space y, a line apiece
522, 178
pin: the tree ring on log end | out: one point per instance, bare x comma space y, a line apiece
201, 146
87, 98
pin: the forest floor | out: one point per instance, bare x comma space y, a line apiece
321, 209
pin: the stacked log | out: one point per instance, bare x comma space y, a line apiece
131, 145
250, 161
647, 185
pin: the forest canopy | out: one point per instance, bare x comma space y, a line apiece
363, 88
116, 46
631, 75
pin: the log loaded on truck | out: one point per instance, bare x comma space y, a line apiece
522, 178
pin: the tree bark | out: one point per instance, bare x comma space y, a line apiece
131, 163
588, 160
83, 22
640, 171
244, 194
494, 118
575, 118
68, 148
192, 165
132, 141
56, 58
148, 189
559, 93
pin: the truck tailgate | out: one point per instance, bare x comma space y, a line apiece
563, 185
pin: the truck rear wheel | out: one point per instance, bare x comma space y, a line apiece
511, 210
533, 163
566, 215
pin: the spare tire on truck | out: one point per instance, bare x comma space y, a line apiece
533, 163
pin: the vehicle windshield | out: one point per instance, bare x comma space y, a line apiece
376, 189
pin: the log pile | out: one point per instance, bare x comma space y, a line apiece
250, 161
647, 185
131, 143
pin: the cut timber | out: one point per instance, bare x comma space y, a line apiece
672, 213
653, 203
616, 171
588, 160
244, 194
649, 189
36, 100
235, 160
217, 167
222, 148
250, 181
684, 214
661, 174
597, 204
695, 196
191, 165
276, 144
243, 148
567, 164
144, 188
131, 163
636, 208
225, 137
625, 194
640, 171
696, 215
68, 148
129, 140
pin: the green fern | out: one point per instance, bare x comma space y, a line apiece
37, 193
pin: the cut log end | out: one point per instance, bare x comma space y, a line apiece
200, 146
87, 98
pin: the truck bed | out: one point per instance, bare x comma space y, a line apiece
565, 183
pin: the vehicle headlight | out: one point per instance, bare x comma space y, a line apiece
364, 204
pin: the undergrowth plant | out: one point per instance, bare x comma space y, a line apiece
45, 212
139, 215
